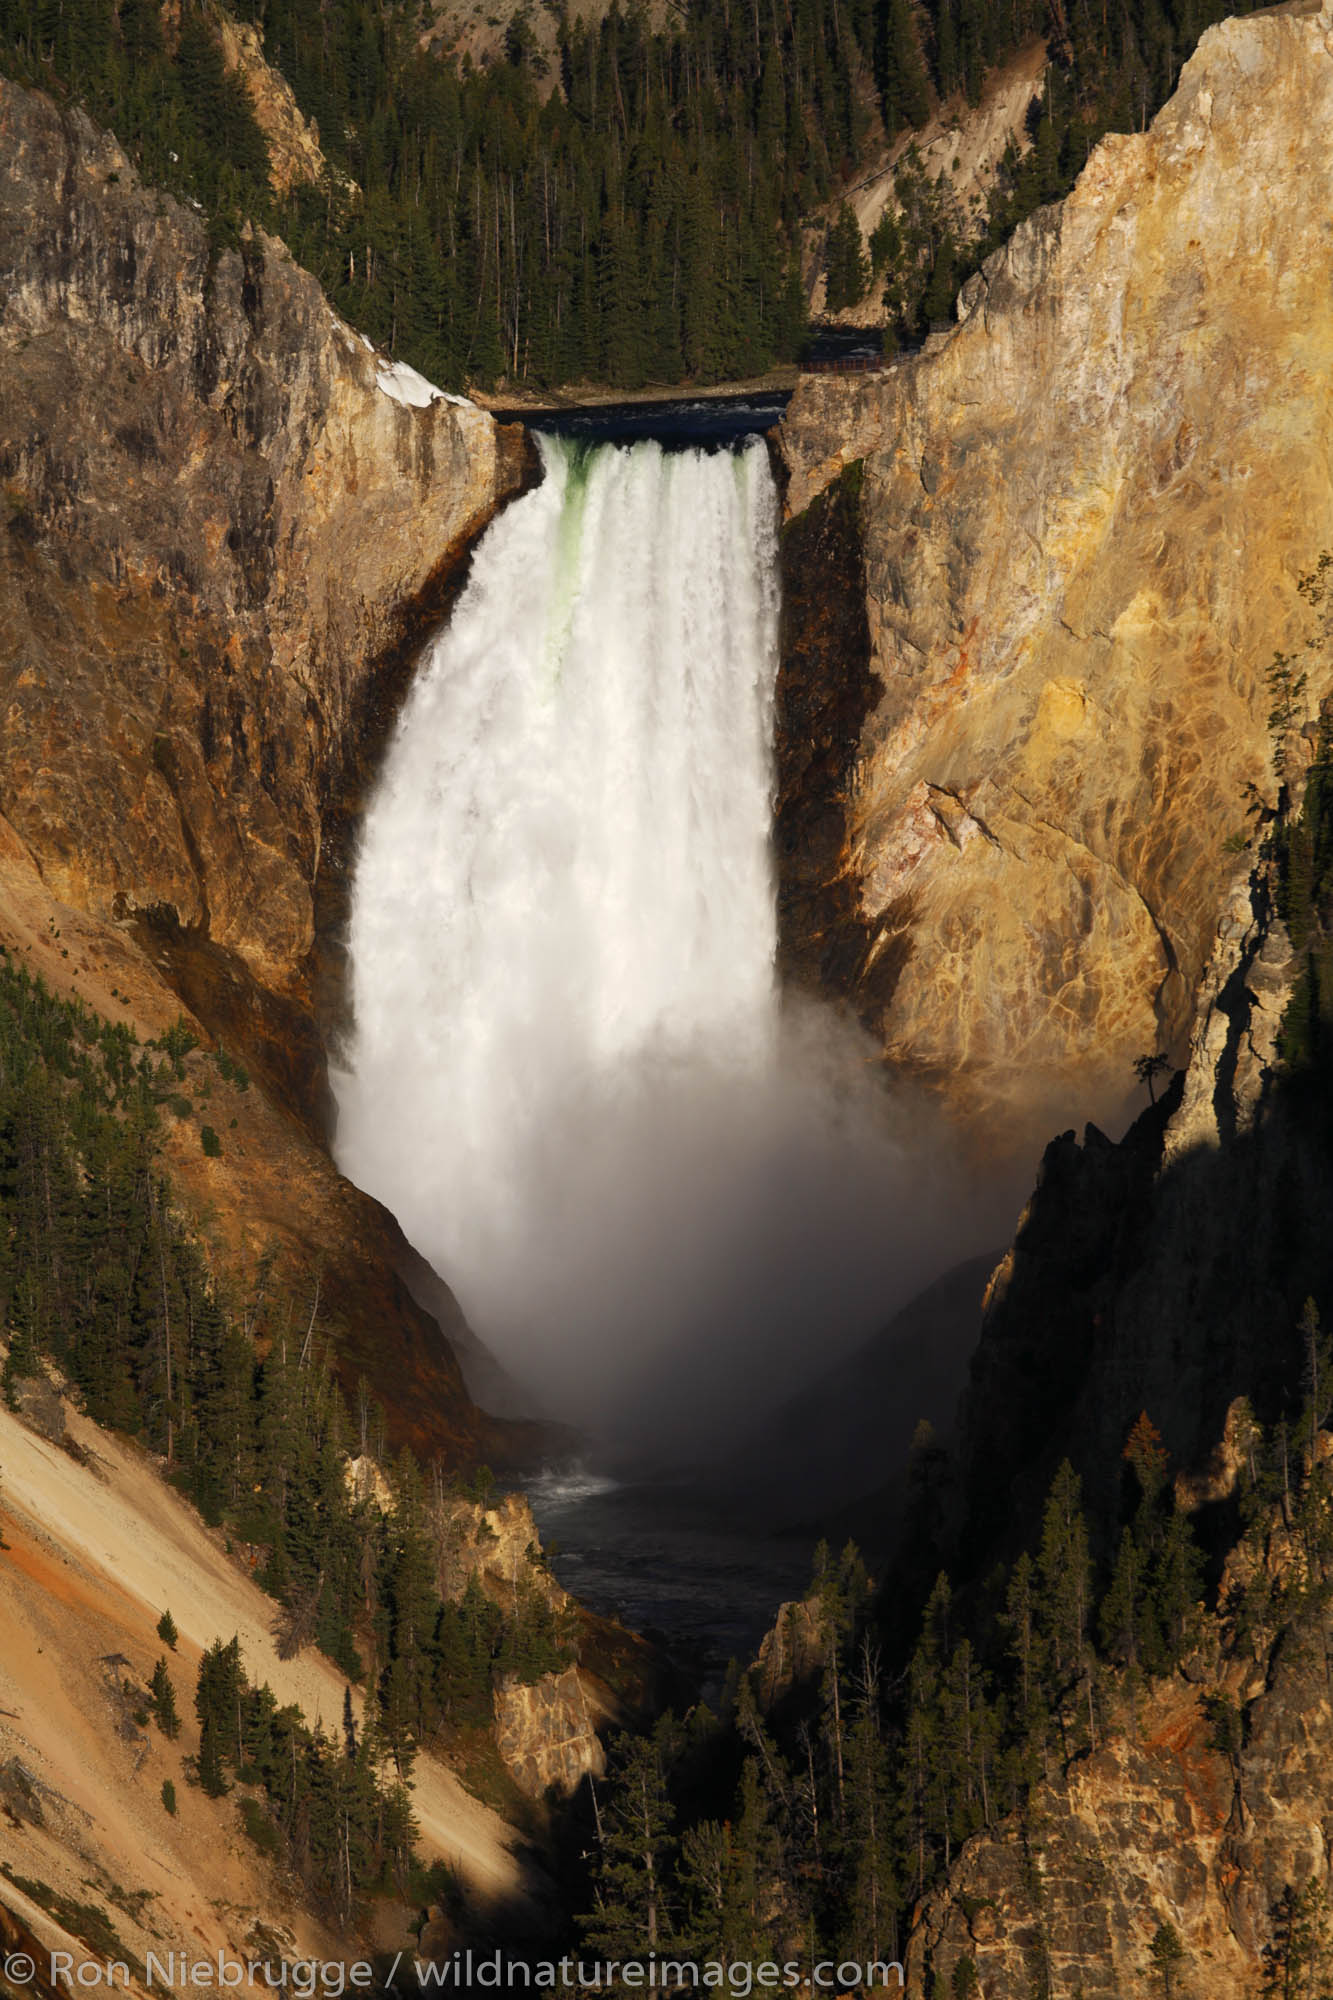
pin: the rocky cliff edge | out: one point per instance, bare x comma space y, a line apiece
1079, 517
224, 530
220, 528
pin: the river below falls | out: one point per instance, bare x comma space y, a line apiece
662, 1558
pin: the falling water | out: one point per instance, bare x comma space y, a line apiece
569, 1078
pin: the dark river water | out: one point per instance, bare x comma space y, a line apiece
665, 1558
687, 422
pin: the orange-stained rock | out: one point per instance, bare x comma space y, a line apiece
220, 532
220, 543
1081, 516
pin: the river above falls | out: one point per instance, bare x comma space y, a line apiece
678, 424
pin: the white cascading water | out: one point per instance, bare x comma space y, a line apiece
568, 1077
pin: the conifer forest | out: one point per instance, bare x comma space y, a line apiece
641, 216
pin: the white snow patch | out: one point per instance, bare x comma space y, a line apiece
406, 386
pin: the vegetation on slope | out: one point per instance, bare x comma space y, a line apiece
815, 1829
344, 1821
102, 1276
640, 222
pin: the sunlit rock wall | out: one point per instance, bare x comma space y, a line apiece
1082, 514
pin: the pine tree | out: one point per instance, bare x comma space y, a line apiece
728, 1875
847, 267
209, 1762
1317, 1375
1177, 1585
218, 1697
1167, 1954
906, 101
1123, 1609
164, 1701
871, 1931
886, 243
1026, 1646
636, 1852
1299, 1956
24, 1358
1145, 1453
937, 303
1065, 1567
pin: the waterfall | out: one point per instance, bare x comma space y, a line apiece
568, 1077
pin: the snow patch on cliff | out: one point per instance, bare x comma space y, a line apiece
405, 386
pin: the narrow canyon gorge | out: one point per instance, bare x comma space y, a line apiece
1020, 594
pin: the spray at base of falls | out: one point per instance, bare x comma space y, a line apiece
659, 1197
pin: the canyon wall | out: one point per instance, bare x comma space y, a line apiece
1078, 521
219, 528
222, 538
1160, 1828
546, 1731
1166, 1274
1070, 533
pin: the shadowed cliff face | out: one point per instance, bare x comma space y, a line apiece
1082, 514
1163, 1275
825, 691
1166, 1273
220, 544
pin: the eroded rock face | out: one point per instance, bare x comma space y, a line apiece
1163, 1274
1082, 514
501, 1545
793, 1650
295, 155
218, 530
1166, 1273
1157, 1827
546, 1731
220, 543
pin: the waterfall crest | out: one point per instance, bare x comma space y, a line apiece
568, 1076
